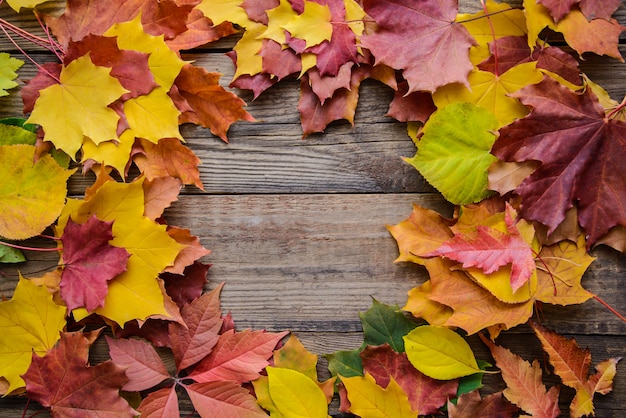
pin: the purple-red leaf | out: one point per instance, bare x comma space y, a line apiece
144, 367
89, 263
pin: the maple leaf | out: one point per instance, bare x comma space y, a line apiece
524, 386
495, 21
187, 256
220, 11
200, 31
491, 249
425, 394
89, 263
453, 152
370, 400
168, 158
599, 9
492, 91
213, 107
31, 195
237, 356
64, 381
432, 54
558, 8
8, 68
571, 364
31, 323
472, 405
77, 106
159, 194
579, 150
599, 36
513, 51
185, 288
405, 107
130, 68
135, 293
142, 364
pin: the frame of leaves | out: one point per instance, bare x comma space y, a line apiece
491, 107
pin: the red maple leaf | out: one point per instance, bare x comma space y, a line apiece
89, 263
593, 9
490, 249
422, 39
64, 381
472, 405
129, 67
581, 152
558, 8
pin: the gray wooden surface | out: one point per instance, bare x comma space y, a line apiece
297, 227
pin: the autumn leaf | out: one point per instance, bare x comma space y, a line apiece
237, 356
472, 405
159, 194
367, 399
502, 20
213, 107
599, 36
599, 10
491, 249
313, 25
17, 5
491, 91
31, 323
142, 364
135, 293
220, 11
168, 158
223, 398
191, 342
295, 394
571, 363
524, 386
422, 39
425, 394
453, 153
8, 68
11, 255
579, 152
78, 106
160, 403
89, 262
440, 353
31, 195
63, 381
385, 324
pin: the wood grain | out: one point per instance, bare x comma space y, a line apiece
297, 226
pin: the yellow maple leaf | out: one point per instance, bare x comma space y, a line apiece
312, 25
163, 62
504, 20
30, 322
248, 61
31, 195
491, 91
8, 66
220, 11
153, 116
277, 18
367, 399
135, 293
111, 153
77, 106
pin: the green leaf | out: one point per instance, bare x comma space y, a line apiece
472, 382
13, 135
19, 122
8, 68
440, 353
453, 153
345, 363
385, 324
11, 255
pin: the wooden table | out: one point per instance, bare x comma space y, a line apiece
297, 226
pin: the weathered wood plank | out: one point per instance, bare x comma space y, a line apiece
309, 262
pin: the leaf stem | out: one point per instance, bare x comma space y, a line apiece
21, 247
617, 109
610, 308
